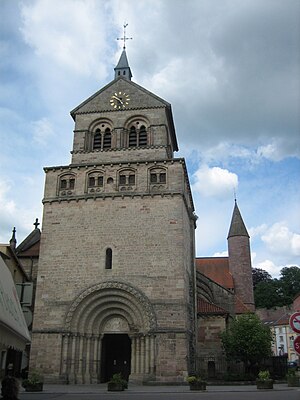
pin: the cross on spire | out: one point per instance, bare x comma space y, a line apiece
124, 38
36, 223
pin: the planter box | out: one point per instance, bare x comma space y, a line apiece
38, 387
115, 387
293, 381
198, 386
267, 384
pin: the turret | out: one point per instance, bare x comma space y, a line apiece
240, 259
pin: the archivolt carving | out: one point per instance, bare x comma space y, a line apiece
94, 305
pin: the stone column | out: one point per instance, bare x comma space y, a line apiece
80, 354
147, 354
98, 357
133, 355
72, 358
87, 365
64, 355
152, 354
94, 360
138, 355
142, 356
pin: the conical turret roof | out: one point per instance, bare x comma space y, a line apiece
237, 226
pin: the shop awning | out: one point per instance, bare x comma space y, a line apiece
13, 328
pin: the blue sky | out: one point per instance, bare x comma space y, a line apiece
229, 68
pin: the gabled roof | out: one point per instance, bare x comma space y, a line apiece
237, 226
30, 245
99, 102
217, 269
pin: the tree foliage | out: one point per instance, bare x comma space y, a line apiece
269, 293
260, 275
247, 339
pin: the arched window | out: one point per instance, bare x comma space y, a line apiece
108, 258
97, 140
95, 181
132, 137
66, 184
107, 139
158, 176
127, 180
143, 136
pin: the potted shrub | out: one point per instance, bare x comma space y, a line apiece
34, 382
196, 382
117, 383
264, 380
292, 379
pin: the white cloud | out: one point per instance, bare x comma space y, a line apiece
257, 230
6, 206
279, 148
269, 266
214, 181
68, 33
42, 131
280, 240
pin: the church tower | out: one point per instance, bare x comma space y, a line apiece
239, 258
116, 278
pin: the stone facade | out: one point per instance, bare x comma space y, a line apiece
116, 264
117, 287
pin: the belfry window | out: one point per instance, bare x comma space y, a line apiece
107, 139
138, 136
97, 140
102, 138
132, 137
143, 136
108, 258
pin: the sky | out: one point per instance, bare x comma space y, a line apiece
229, 68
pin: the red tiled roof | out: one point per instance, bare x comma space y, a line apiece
240, 307
217, 269
203, 307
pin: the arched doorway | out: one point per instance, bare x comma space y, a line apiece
115, 356
109, 329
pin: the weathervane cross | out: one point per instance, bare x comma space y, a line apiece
124, 38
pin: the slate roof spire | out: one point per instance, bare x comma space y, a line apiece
122, 69
237, 226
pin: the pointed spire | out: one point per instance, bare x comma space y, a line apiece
13, 240
122, 69
237, 226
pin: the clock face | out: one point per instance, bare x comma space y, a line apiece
119, 100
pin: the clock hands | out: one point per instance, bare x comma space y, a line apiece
118, 98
